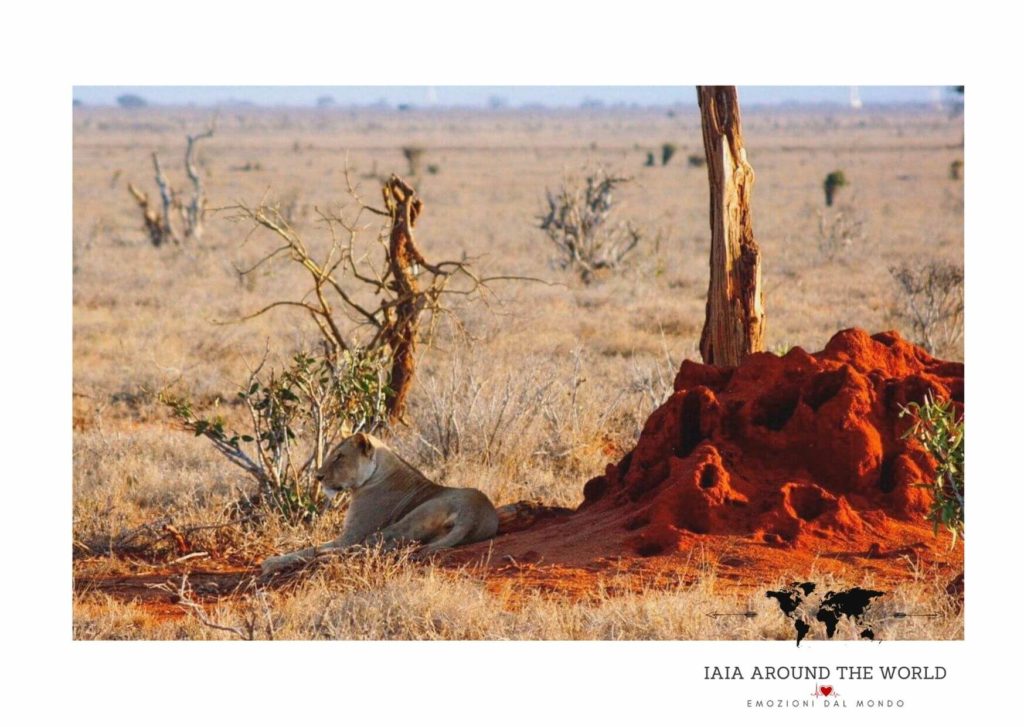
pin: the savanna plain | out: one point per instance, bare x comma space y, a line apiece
528, 388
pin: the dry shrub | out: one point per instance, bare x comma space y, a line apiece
463, 414
294, 211
839, 232
414, 156
580, 222
533, 430
930, 300
652, 380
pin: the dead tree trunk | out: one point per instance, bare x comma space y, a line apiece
196, 209
167, 200
159, 225
402, 319
734, 321
150, 217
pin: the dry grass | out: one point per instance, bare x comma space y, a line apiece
374, 596
531, 396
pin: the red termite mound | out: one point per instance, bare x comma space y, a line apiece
786, 451
782, 447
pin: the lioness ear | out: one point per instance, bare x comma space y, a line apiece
364, 443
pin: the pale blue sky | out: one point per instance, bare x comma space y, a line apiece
512, 95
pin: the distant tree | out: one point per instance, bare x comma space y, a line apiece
668, 150
413, 155
325, 102
77, 102
833, 182
131, 101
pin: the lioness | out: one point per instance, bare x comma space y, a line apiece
393, 503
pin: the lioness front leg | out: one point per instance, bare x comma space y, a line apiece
277, 563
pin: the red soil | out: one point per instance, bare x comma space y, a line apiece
781, 461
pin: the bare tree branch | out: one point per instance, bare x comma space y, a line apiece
168, 200
577, 221
196, 208
159, 225
343, 274
151, 218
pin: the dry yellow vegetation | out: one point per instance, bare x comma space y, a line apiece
536, 389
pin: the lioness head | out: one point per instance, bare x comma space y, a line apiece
348, 466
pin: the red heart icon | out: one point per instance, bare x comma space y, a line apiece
826, 690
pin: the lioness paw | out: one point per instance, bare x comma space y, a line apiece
276, 563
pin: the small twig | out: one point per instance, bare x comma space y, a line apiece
185, 600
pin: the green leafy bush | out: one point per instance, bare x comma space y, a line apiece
668, 150
941, 432
833, 182
293, 416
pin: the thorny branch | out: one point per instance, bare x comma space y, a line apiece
345, 278
184, 597
576, 221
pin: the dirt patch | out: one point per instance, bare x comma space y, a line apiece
156, 586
